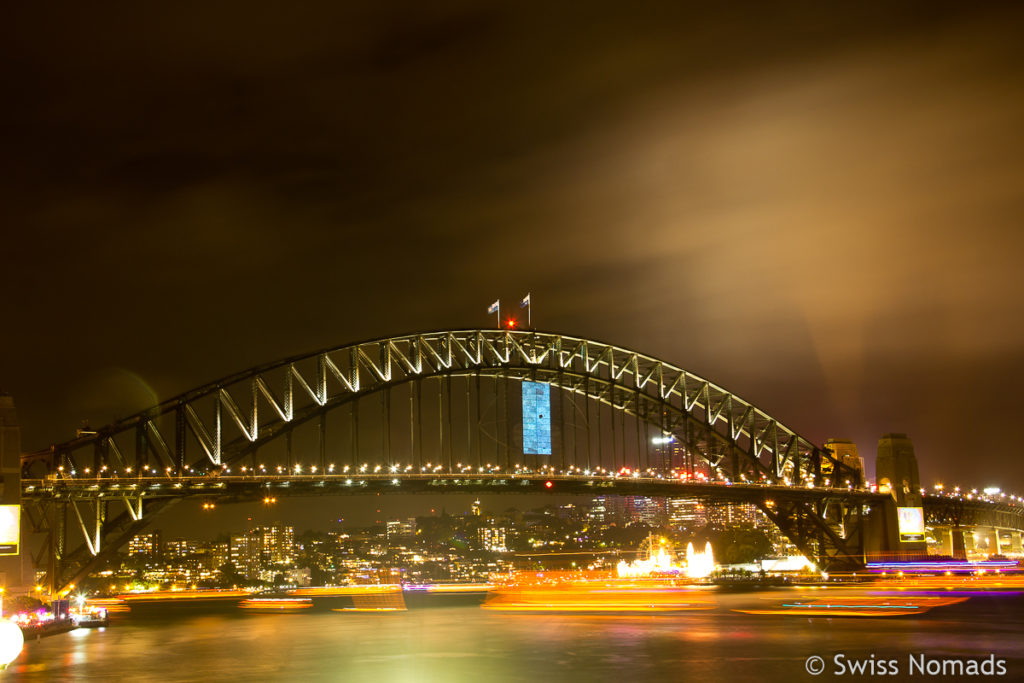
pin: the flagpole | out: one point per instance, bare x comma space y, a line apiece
527, 301
495, 308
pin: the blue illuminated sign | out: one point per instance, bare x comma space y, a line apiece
536, 418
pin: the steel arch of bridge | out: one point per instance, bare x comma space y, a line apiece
222, 422
626, 380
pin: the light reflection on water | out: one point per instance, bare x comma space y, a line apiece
470, 644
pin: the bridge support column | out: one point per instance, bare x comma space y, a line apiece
959, 542
58, 544
944, 539
1016, 542
881, 533
990, 538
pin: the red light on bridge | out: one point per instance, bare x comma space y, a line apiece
511, 323
549, 484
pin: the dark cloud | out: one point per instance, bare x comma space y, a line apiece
815, 207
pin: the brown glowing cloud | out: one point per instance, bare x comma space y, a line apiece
818, 210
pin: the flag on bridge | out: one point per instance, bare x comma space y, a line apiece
496, 308
525, 303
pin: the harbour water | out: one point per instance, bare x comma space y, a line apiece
466, 643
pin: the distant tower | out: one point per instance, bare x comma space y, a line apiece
845, 451
896, 469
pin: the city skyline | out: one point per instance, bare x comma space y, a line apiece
475, 543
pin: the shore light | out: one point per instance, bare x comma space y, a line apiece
11, 642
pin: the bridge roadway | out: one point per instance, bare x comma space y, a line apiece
794, 509
252, 487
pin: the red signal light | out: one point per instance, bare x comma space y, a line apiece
511, 323
549, 484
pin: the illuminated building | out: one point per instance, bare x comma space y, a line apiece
731, 515
650, 511
598, 512
220, 554
615, 510
147, 545
476, 508
492, 538
686, 513
179, 547
623, 510
397, 528
298, 577
245, 554
277, 544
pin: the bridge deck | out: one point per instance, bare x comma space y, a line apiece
254, 487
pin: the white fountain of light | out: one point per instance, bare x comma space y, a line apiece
656, 557
699, 565
659, 561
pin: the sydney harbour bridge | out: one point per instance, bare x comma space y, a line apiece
444, 412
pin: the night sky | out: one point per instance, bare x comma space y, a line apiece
817, 208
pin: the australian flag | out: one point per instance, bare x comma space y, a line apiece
525, 302
493, 308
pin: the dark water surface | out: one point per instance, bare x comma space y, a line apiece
471, 644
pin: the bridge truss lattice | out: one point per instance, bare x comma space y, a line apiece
443, 403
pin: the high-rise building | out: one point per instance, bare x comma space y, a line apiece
728, 515
147, 545
570, 512
277, 544
492, 538
245, 554
650, 511
598, 511
220, 554
686, 513
615, 510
